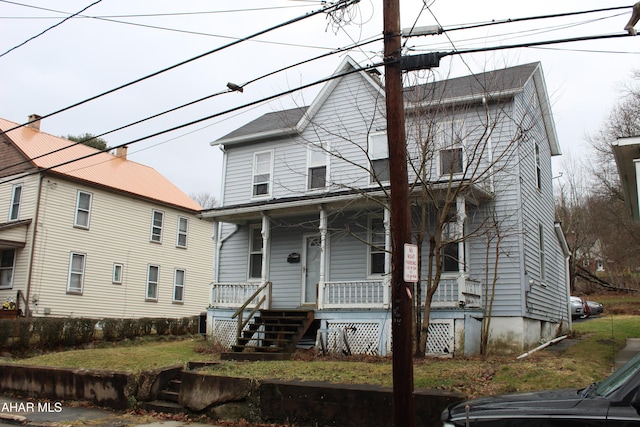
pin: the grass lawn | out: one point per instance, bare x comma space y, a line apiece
589, 360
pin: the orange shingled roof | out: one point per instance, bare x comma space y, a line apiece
103, 169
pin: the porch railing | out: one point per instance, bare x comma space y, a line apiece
354, 294
234, 295
453, 291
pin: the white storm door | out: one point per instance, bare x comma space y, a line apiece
311, 268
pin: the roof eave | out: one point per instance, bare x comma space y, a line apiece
259, 136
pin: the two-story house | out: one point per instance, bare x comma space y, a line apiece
304, 217
85, 233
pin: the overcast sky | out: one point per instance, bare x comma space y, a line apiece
115, 42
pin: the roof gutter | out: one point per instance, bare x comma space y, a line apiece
256, 136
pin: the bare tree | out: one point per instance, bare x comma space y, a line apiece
204, 199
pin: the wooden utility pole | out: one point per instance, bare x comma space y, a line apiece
401, 292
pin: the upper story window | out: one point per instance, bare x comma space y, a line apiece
153, 276
83, 209
118, 272
75, 282
7, 266
183, 227
262, 173
157, 220
538, 168
16, 197
376, 245
255, 252
451, 137
378, 152
316, 167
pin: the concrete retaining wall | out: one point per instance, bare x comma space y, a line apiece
316, 404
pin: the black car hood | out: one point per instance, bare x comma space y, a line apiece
551, 401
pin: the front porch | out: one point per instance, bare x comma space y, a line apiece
353, 317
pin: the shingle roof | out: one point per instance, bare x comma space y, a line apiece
102, 169
268, 122
502, 80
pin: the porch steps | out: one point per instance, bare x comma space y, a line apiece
273, 335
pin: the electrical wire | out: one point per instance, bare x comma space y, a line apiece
50, 28
325, 9
188, 104
196, 121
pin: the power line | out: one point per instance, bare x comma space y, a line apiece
336, 51
50, 28
202, 119
326, 9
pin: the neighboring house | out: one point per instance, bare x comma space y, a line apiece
304, 208
98, 237
591, 257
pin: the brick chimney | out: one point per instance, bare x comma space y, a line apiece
34, 122
121, 152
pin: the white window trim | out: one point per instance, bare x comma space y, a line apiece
254, 228
311, 164
13, 268
176, 285
13, 201
253, 174
370, 245
153, 226
378, 154
450, 145
81, 273
538, 166
78, 209
149, 282
114, 279
182, 233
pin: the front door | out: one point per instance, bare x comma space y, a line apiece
311, 269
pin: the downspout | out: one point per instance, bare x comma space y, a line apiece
27, 311
266, 234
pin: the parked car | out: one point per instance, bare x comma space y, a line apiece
577, 307
595, 308
612, 402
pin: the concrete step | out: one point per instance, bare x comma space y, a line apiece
164, 406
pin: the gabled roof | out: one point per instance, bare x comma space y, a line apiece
490, 84
102, 169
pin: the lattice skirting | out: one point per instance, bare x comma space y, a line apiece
350, 337
441, 340
224, 332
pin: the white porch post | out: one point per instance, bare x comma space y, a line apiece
323, 256
461, 215
266, 232
386, 280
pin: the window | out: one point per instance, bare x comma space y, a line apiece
16, 197
376, 246
262, 165
75, 283
542, 255
599, 265
451, 155
255, 253
538, 169
156, 226
178, 286
379, 157
118, 270
153, 275
452, 234
316, 167
450, 255
83, 209
183, 227
7, 265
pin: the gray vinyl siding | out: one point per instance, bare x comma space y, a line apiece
343, 123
